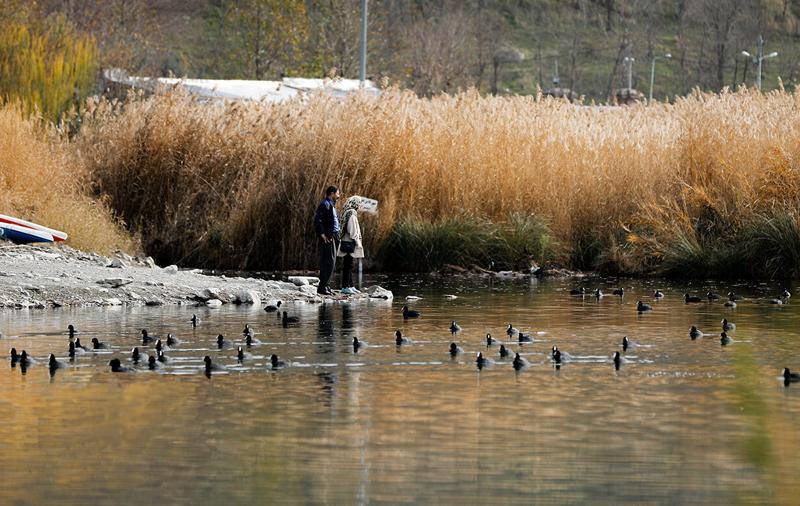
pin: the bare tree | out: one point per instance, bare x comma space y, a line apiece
440, 53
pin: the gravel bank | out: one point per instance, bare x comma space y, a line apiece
39, 277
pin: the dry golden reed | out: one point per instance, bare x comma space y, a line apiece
235, 184
39, 182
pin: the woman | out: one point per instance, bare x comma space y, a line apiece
350, 246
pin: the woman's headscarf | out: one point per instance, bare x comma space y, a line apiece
350, 208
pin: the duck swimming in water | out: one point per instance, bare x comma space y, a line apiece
658, 294
691, 299
578, 291
146, 338
407, 313
171, 341
618, 292
249, 340
116, 366
53, 364
790, 377
25, 360
519, 362
454, 327
271, 308
286, 319
641, 307
724, 339
399, 339
694, 332
208, 366
524, 338
504, 353
482, 361
275, 362
511, 330
726, 325
713, 296
194, 321
455, 349
491, 341
358, 344
617, 360
14, 356
135, 355
97, 345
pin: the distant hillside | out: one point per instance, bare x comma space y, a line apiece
512, 46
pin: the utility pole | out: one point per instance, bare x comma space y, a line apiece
363, 62
653, 74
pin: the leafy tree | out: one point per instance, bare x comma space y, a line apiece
269, 35
48, 68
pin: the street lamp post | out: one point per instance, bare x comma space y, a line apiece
630, 61
653, 74
363, 60
760, 57
556, 79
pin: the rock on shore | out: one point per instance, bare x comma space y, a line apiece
57, 275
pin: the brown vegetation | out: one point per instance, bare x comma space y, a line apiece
236, 184
39, 183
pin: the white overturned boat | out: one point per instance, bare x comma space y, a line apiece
21, 231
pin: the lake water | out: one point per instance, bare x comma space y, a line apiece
681, 421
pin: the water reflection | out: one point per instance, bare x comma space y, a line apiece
410, 424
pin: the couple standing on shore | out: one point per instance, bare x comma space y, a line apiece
337, 239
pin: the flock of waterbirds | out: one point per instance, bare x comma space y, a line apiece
140, 359
557, 356
694, 332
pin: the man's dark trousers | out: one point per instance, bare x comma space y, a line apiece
327, 262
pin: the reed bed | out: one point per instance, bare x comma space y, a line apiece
625, 189
39, 182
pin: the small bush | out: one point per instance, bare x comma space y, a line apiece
417, 245
771, 246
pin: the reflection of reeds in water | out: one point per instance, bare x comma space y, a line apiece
628, 189
38, 182
772, 444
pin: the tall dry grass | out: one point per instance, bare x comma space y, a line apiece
39, 182
236, 184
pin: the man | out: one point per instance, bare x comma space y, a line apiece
326, 223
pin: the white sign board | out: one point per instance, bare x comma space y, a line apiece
369, 205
